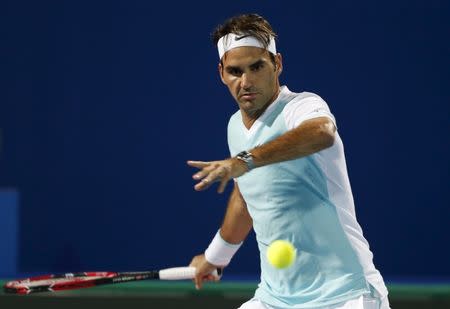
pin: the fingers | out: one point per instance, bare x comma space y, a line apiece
214, 171
198, 281
216, 175
196, 262
198, 164
203, 271
202, 185
206, 169
201, 278
204, 172
210, 173
211, 277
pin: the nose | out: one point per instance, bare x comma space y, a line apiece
246, 81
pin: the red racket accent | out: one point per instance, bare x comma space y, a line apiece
52, 283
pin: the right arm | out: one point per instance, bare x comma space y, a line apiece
235, 228
237, 222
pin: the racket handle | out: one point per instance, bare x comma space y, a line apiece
181, 273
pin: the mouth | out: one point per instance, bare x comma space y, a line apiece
249, 96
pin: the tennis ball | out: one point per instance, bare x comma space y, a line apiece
281, 254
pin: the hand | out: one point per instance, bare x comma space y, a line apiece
217, 171
203, 271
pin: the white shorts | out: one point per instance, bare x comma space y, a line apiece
362, 302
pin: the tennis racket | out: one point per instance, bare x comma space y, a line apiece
71, 281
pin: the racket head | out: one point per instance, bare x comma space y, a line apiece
50, 283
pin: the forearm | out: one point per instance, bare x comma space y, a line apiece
237, 222
310, 137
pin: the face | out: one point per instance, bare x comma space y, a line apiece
251, 77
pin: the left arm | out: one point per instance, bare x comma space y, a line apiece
309, 137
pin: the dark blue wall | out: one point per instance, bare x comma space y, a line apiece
101, 104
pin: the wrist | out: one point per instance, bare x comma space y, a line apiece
220, 252
247, 158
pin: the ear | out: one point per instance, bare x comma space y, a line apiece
220, 68
279, 63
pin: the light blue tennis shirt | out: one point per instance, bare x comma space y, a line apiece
307, 201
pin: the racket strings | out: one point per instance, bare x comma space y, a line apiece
58, 279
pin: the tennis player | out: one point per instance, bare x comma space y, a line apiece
290, 182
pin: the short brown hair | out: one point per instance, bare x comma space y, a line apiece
246, 24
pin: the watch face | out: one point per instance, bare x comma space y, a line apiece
247, 157
243, 155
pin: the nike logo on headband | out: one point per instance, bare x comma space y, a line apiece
237, 38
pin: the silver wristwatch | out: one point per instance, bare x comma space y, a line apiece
247, 158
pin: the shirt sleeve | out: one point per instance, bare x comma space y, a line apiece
306, 107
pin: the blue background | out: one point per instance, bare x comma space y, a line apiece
102, 103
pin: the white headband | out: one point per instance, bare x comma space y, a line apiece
232, 40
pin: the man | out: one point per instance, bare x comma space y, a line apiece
291, 183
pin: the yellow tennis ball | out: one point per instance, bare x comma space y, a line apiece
281, 254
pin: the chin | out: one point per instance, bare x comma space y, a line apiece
249, 107
247, 104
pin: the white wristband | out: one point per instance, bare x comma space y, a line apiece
220, 252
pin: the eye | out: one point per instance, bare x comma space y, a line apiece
257, 66
234, 71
